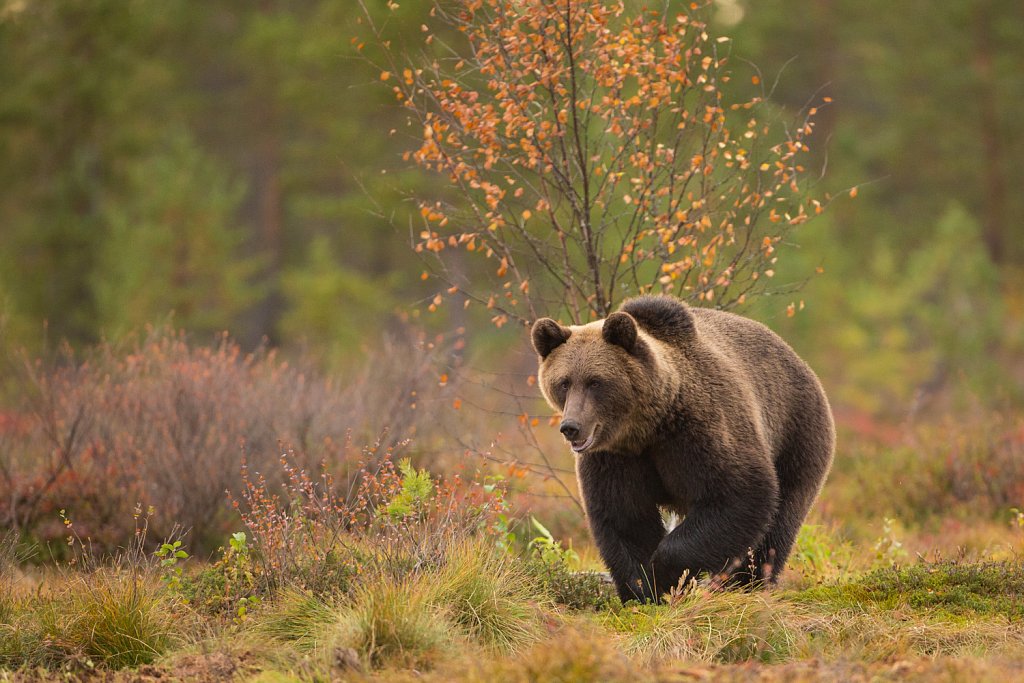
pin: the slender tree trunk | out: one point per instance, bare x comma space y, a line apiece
827, 50
993, 172
271, 228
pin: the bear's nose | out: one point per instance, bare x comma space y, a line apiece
570, 429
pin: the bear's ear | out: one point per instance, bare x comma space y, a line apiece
548, 335
620, 329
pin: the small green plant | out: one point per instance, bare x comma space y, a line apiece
504, 529
550, 551
417, 489
239, 544
229, 585
818, 555
245, 605
171, 555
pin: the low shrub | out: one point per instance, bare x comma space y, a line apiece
970, 467
160, 420
228, 586
384, 521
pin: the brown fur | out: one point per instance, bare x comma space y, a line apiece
702, 412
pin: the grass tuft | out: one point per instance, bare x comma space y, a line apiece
393, 623
710, 627
117, 620
300, 618
105, 618
489, 593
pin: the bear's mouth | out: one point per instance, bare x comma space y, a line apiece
581, 445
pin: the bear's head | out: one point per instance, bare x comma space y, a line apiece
600, 376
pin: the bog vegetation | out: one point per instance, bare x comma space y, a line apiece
337, 555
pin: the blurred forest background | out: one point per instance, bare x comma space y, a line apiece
236, 165
229, 161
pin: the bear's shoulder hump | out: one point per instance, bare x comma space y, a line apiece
662, 316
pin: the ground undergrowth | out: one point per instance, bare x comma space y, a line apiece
406, 577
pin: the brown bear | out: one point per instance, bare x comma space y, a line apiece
695, 411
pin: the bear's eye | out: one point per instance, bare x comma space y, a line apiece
593, 384
564, 385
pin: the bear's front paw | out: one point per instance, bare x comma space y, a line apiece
637, 589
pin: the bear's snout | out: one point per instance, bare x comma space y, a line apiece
570, 429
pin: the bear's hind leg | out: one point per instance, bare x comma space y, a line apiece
770, 556
798, 488
716, 535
